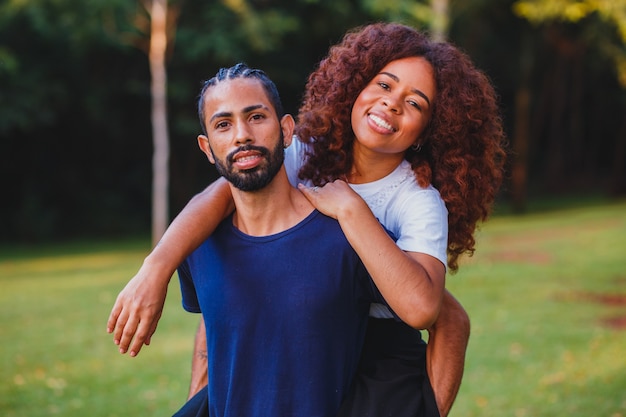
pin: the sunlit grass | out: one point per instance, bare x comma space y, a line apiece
541, 344
57, 358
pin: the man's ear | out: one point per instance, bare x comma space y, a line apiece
287, 124
203, 143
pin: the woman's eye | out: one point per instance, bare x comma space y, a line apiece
383, 85
415, 104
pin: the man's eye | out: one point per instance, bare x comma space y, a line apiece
221, 125
257, 116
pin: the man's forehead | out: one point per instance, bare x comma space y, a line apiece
236, 96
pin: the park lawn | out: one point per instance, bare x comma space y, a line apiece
546, 293
58, 359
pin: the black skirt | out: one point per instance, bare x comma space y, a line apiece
197, 406
391, 379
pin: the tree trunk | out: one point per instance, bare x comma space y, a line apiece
439, 26
521, 134
618, 186
160, 158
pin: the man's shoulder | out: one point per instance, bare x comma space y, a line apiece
315, 225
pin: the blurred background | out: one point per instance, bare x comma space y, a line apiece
96, 95
76, 132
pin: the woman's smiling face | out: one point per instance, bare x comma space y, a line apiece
392, 111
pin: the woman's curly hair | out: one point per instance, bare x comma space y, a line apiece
462, 149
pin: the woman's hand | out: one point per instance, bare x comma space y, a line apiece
139, 305
334, 199
137, 310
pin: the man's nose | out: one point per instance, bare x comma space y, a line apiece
243, 134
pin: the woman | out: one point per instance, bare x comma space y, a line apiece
460, 152
350, 129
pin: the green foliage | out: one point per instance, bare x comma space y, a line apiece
541, 10
46, 45
538, 11
262, 28
75, 135
611, 12
410, 12
80, 21
542, 341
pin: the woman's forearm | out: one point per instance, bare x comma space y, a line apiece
191, 227
411, 283
138, 307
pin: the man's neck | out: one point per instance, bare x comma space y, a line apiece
273, 209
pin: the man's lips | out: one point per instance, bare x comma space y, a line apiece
247, 159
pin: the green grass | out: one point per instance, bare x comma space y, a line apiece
57, 358
540, 345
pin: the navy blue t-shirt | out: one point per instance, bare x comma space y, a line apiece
285, 317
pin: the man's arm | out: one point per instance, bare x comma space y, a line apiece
139, 305
447, 344
199, 362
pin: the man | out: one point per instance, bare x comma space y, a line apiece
283, 295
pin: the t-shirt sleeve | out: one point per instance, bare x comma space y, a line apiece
295, 156
424, 225
187, 288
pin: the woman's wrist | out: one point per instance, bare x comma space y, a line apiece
158, 268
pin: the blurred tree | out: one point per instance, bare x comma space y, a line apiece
612, 12
581, 32
157, 9
75, 93
62, 128
285, 38
432, 15
75, 100
440, 19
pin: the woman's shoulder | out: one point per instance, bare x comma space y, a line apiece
295, 156
409, 187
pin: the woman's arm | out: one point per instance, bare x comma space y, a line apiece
412, 283
199, 362
137, 310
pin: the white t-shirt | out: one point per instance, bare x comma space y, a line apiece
416, 216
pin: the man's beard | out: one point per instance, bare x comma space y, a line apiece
258, 177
